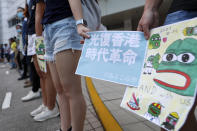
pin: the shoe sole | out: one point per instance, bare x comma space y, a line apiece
27, 86
30, 99
41, 120
35, 115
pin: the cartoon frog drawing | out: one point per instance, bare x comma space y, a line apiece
152, 63
177, 70
133, 103
153, 113
171, 121
190, 31
154, 41
40, 50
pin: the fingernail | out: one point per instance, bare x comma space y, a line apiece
81, 41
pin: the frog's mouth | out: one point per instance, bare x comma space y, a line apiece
41, 59
173, 79
156, 44
154, 112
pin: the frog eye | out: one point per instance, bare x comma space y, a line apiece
186, 58
169, 57
195, 30
157, 38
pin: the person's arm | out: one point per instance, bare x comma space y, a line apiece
40, 7
76, 8
150, 17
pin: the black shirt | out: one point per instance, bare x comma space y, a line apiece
2, 52
56, 10
31, 19
189, 5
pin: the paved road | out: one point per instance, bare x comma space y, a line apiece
17, 118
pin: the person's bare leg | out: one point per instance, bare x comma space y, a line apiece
62, 98
16, 62
50, 90
42, 80
66, 63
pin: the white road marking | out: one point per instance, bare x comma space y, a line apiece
7, 100
7, 72
3, 66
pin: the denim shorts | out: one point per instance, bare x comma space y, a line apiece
179, 16
59, 36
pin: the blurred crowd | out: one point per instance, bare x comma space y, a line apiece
20, 56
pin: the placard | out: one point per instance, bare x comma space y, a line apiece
167, 88
116, 56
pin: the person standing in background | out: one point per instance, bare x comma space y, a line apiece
63, 50
21, 34
35, 79
7, 52
1, 53
27, 59
12, 52
19, 48
48, 109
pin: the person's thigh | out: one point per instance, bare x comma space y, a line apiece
55, 77
39, 72
61, 38
66, 64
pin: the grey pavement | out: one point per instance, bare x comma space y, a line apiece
17, 117
112, 94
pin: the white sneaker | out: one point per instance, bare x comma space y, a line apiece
30, 96
38, 110
47, 114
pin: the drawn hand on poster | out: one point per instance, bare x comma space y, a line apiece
152, 63
154, 42
133, 103
171, 121
153, 113
190, 31
176, 72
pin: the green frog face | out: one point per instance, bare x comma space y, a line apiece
154, 109
171, 121
189, 31
178, 70
40, 50
154, 41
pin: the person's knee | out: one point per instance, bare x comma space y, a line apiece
59, 91
66, 82
63, 94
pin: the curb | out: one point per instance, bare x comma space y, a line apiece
108, 121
